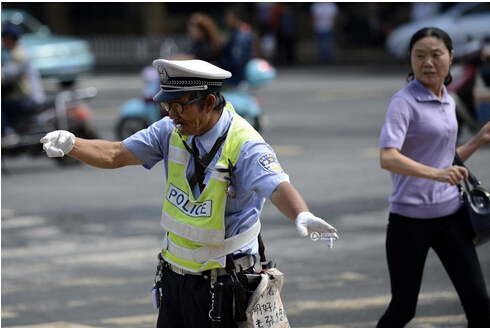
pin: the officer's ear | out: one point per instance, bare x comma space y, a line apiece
209, 102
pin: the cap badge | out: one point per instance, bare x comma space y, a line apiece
163, 73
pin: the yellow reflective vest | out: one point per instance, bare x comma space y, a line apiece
195, 228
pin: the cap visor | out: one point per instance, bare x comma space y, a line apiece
167, 96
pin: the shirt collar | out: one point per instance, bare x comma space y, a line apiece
422, 94
207, 140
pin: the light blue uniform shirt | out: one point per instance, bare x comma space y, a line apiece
254, 178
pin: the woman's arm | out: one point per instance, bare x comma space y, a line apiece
483, 137
392, 160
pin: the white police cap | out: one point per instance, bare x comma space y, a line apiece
179, 77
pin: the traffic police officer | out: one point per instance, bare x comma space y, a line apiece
219, 171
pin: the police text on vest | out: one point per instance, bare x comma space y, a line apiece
181, 200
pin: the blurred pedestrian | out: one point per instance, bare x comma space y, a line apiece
22, 89
219, 171
324, 15
283, 20
238, 51
204, 36
265, 32
151, 82
418, 145
424, 10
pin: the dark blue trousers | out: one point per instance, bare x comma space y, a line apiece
187, 302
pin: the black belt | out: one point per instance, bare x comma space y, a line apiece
245, 260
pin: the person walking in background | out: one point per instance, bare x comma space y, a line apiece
284, 24
265, 32
418, 145
22, 88
324, 15
424, 10
204, 36
238, 51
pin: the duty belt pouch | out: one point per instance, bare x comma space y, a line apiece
265, 308
257, 295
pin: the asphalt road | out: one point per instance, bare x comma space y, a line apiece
79, 244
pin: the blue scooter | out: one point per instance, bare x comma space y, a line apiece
139, 113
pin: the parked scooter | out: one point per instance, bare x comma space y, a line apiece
258, 73
65, 112
465, 75
139, 113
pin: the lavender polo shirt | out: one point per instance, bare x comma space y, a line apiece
424, 128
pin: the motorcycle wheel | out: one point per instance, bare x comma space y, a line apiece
129, 126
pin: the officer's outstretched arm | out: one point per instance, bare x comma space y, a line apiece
99, 153
288, 200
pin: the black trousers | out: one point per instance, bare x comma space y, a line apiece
187, 302
407, 245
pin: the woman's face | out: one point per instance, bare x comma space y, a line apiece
430, 61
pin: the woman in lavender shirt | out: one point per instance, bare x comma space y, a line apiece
418, 143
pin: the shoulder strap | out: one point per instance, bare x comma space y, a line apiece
202, 164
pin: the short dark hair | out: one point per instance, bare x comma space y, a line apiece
220, 99
436, 33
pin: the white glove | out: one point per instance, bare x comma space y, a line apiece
308, 224
58, 143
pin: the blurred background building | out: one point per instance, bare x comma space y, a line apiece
133, 34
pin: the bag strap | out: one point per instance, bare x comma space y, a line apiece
261, 249
471, 177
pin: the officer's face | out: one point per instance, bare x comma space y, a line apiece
196, 119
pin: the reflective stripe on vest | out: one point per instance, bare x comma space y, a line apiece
196, 227
204, 253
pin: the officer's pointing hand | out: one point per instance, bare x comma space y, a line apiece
58, 143
307, 224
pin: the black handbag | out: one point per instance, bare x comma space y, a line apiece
477, 203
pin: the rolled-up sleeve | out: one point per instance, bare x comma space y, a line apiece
396, 124
148, 144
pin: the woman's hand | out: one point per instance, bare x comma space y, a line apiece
452, 175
